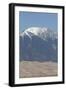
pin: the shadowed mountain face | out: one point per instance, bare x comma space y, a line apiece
38, 44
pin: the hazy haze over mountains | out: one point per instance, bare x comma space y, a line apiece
38, 43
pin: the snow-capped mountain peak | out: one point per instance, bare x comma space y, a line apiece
36, 30
43, 33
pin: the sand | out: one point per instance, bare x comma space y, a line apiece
28, 69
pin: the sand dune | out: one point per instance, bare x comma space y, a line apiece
37, 69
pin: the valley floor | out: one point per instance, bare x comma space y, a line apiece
29, 69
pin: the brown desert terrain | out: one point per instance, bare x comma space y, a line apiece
29, 69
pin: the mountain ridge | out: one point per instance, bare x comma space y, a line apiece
41, 32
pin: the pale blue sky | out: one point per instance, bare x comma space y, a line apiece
37, 19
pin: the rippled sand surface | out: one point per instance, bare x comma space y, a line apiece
29, 69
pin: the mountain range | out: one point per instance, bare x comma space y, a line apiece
38, 44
